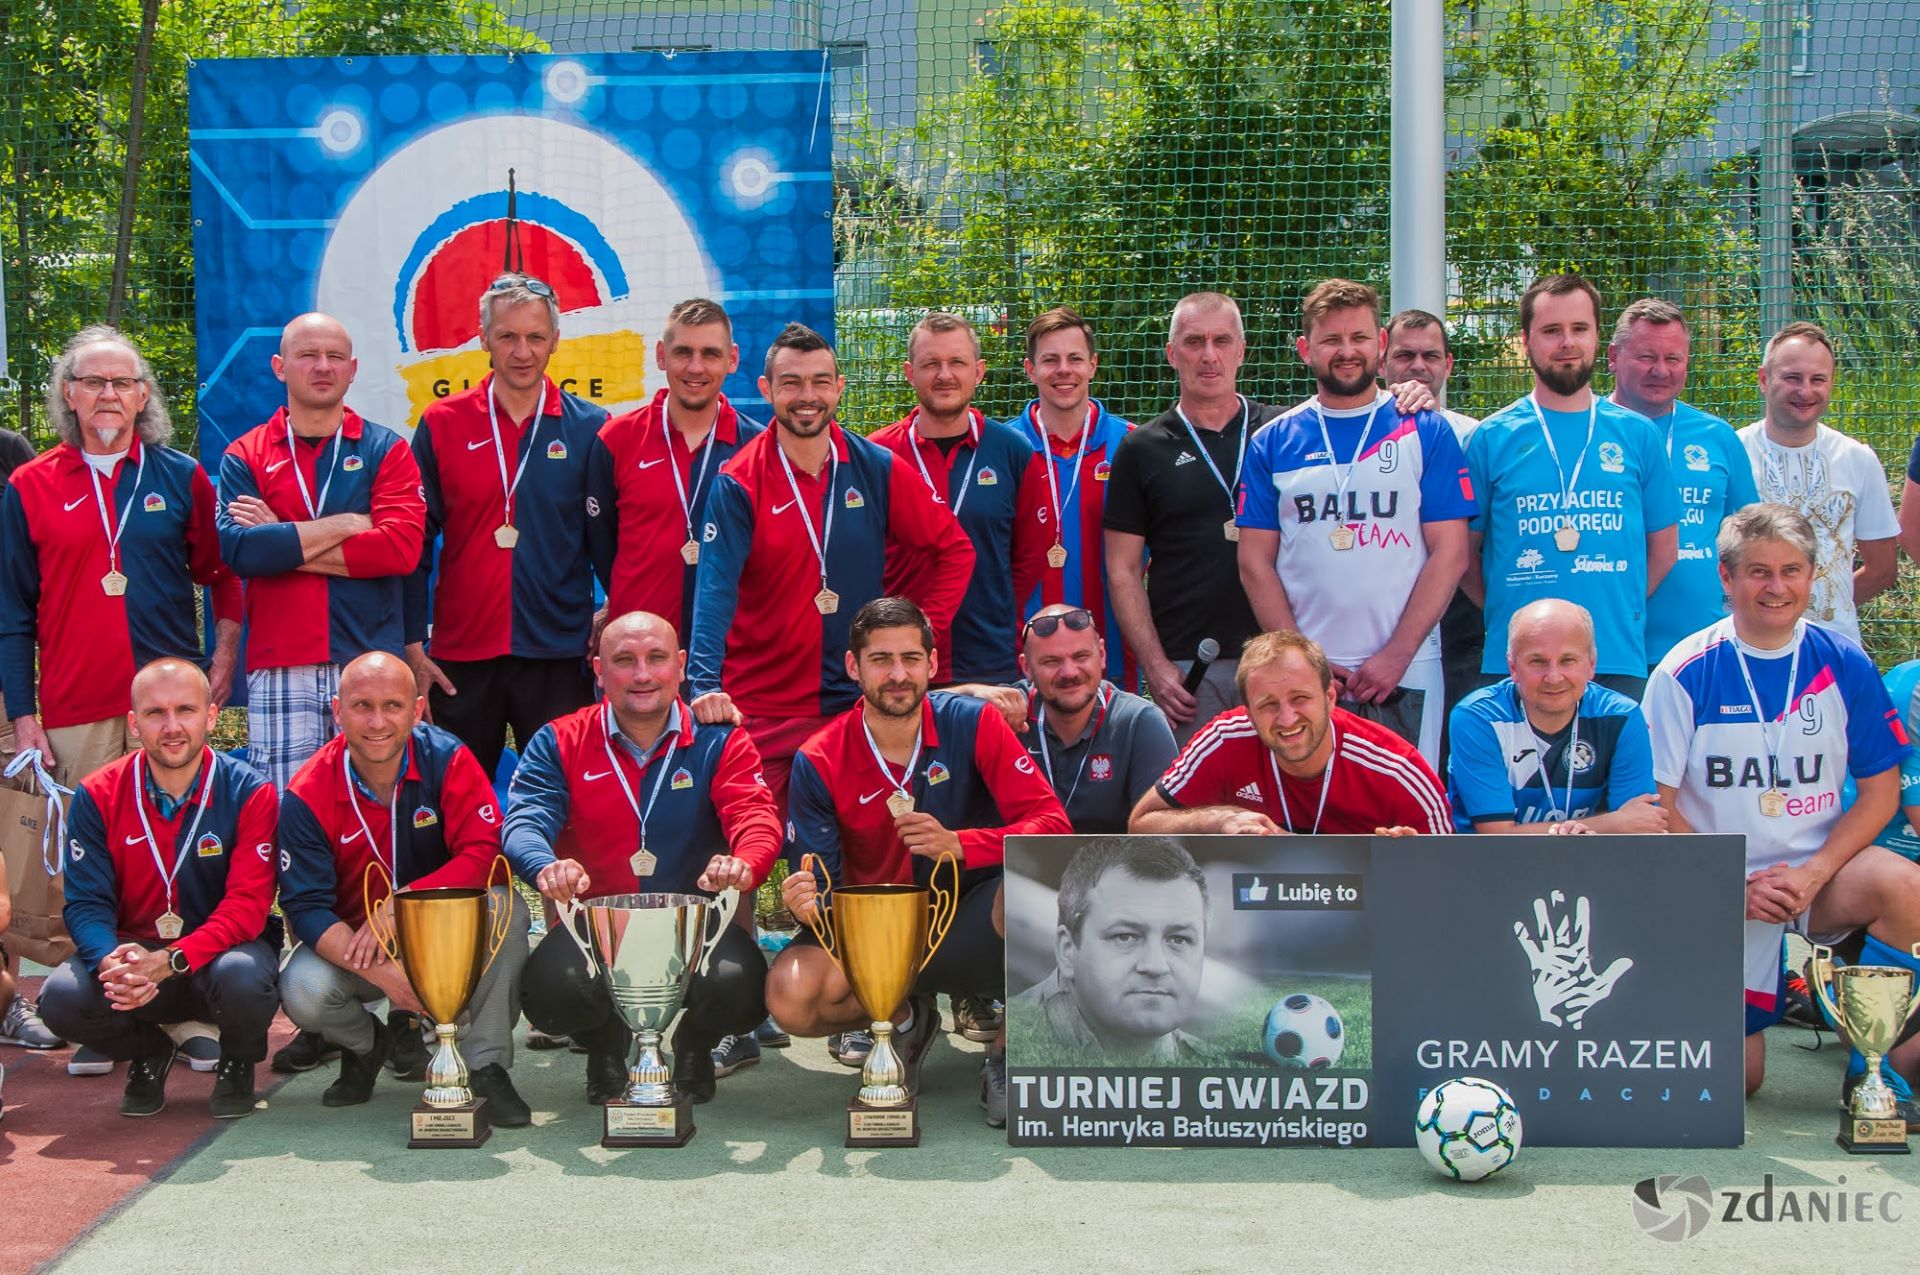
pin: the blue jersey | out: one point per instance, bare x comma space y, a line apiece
1624, 491
1900, 836
1715, 479
1500, 768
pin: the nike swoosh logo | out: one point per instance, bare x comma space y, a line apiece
134, 841
871, 796
649, 464
276, 465
780, 509
590, 776
76, 504
349, 837
485, 442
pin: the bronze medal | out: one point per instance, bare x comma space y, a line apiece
643, 863
827, 601
1342, 538
506, 535
1057, 556
899, 804
1773, 803
1566, 539
690, 552
1232, 532
169, 925
113, 584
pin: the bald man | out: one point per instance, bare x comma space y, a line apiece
634, 795
1550, 749
323, 518
170, 872
393, 790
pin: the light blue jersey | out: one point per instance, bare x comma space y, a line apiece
1622, 490
1900, 836
1502, 769
1715, 479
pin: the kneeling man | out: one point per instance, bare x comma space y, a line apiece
876, 797
1758, 720
394, 790
633, 795
169, 880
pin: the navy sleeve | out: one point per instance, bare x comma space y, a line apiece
725, 542
92, 912
813, 826
603, 511
19, 605
413, 610
537, 806
272, 550
309, 885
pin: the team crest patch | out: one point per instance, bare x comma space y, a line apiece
854, 499
75, 851
988, 478
593, 507
1696, 456
682, 778
1582, 758
155, 503
352, 463
1101, 471
937, 773
1099, 767
1612, 458
424, 817
208, 847
556, 450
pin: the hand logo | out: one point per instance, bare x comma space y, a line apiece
1558, 948
1257, 893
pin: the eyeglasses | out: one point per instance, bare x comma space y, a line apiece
99, 384
1078, 620
537, 287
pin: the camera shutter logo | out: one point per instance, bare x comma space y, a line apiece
1671, 1207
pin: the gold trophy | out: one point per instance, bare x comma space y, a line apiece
1874, 1005
881, 937
444, 940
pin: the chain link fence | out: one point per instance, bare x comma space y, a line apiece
1751, 161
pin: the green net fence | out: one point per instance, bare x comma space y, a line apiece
1752, 161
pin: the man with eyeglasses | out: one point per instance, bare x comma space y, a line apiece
504, 468
322, 515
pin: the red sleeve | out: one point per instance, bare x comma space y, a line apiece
1200, 775
1418, 800
1033, 535
468, 805
242, 912
203, 552
928, 530
391, 546
1024, 798
748, 816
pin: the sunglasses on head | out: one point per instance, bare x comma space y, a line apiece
1079, 620
537, 287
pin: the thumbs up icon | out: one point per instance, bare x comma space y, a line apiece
1257, 893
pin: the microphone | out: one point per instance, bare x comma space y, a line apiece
1203, 658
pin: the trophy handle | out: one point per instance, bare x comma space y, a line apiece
1819, 973
946, 904
726, 903
390, 941
499, 910
567, 911
818, 921
1914, 1006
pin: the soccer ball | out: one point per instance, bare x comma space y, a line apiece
1303, 1030
1468, 1128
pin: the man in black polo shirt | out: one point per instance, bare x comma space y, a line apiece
1099, 747
1171, 494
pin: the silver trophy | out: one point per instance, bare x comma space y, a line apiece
650, 946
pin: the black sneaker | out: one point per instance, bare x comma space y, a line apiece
772, 1034
914, 1043
304, 1052
978, 1017
146, 1092
735, 1052
506, 1109
693, 1072
359, 1071
606, 1075
1799, 1009
233, 1094
850, 1048
410, 1055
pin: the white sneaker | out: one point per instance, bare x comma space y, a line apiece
199, 1043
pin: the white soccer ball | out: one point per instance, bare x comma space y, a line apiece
1303, 1030
1468, 1128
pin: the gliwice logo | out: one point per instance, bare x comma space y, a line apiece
1565, 984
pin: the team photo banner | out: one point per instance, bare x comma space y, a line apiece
1284, 991
377, 190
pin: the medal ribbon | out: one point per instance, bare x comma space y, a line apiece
1769, 737
500, 452
1102, 700
1053, 481
886, 771
1567, 485
1341, 481
1540, 765
666, 766
673, 467
1326, 783
333, 456
966, 480
100, 502
393, 816
212, 759
819, 540
1200, 447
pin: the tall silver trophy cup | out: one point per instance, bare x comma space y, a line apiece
650, 946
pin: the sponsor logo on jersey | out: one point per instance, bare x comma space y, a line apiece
1248, 792
208, 847
556, 450
1696, 456
854, 499
1598, 563
352, 463
1612, 459
1528, 559
987, 478
424, 817
710, 533
682, 778
593, 506
1102, 471
937, 772
1582, 758
155, 503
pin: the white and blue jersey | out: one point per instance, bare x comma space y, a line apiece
1410, 472
1622, 491
1721, 751
1715, 479
1500, 768
1903, 688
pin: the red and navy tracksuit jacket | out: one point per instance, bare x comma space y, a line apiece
297, 617
447, 826
636, 525
115, 891
973, 776
534, 600
566, 803
56, 551
1082, 582
995, 483
756, 632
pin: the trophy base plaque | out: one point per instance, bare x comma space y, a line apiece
631, 1125
869, 1126
1873, 1137
447, 1128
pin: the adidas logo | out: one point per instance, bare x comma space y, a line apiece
1186, 458
1248, 792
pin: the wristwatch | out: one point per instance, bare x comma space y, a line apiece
177, 961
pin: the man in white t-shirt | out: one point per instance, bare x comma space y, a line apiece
1836, 481
1353, 521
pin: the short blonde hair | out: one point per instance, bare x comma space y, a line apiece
1270, 648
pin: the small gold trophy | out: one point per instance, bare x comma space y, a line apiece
444, 940
881, 937
1871, 1005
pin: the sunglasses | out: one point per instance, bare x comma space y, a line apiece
1078, 620
537, 287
